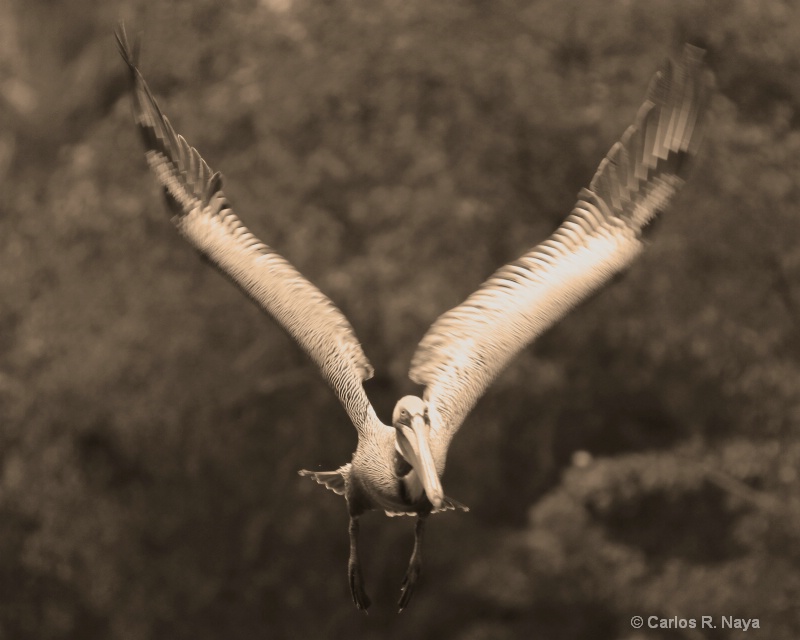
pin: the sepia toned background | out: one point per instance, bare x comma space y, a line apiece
641, 459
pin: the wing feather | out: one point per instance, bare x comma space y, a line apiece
467, 347
204, 217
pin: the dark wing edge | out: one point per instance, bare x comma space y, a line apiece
468, 346
203, 216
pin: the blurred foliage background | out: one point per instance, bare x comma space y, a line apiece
642, 458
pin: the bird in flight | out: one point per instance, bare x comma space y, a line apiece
398, 467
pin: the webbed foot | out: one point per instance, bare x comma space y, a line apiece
354, 576
409, 582
360, 597
414, 565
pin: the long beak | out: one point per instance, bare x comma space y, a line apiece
419, 456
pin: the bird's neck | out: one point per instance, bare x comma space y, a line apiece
409, 484
412, 488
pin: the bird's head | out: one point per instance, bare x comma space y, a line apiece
413, 429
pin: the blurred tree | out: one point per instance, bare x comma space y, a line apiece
396, 153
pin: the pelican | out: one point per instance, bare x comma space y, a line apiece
398, 467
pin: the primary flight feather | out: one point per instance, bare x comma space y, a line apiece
398, 467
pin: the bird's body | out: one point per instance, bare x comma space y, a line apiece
398, 467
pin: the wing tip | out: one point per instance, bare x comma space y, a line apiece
659, 145
130, 54
197, 180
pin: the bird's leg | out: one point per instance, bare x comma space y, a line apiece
414, 565
360, 596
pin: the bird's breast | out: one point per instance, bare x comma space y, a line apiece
377, 484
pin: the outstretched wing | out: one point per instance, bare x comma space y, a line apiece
467, 347
203, 216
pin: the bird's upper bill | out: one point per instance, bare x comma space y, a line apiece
413, 440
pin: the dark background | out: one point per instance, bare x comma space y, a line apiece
641, 458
